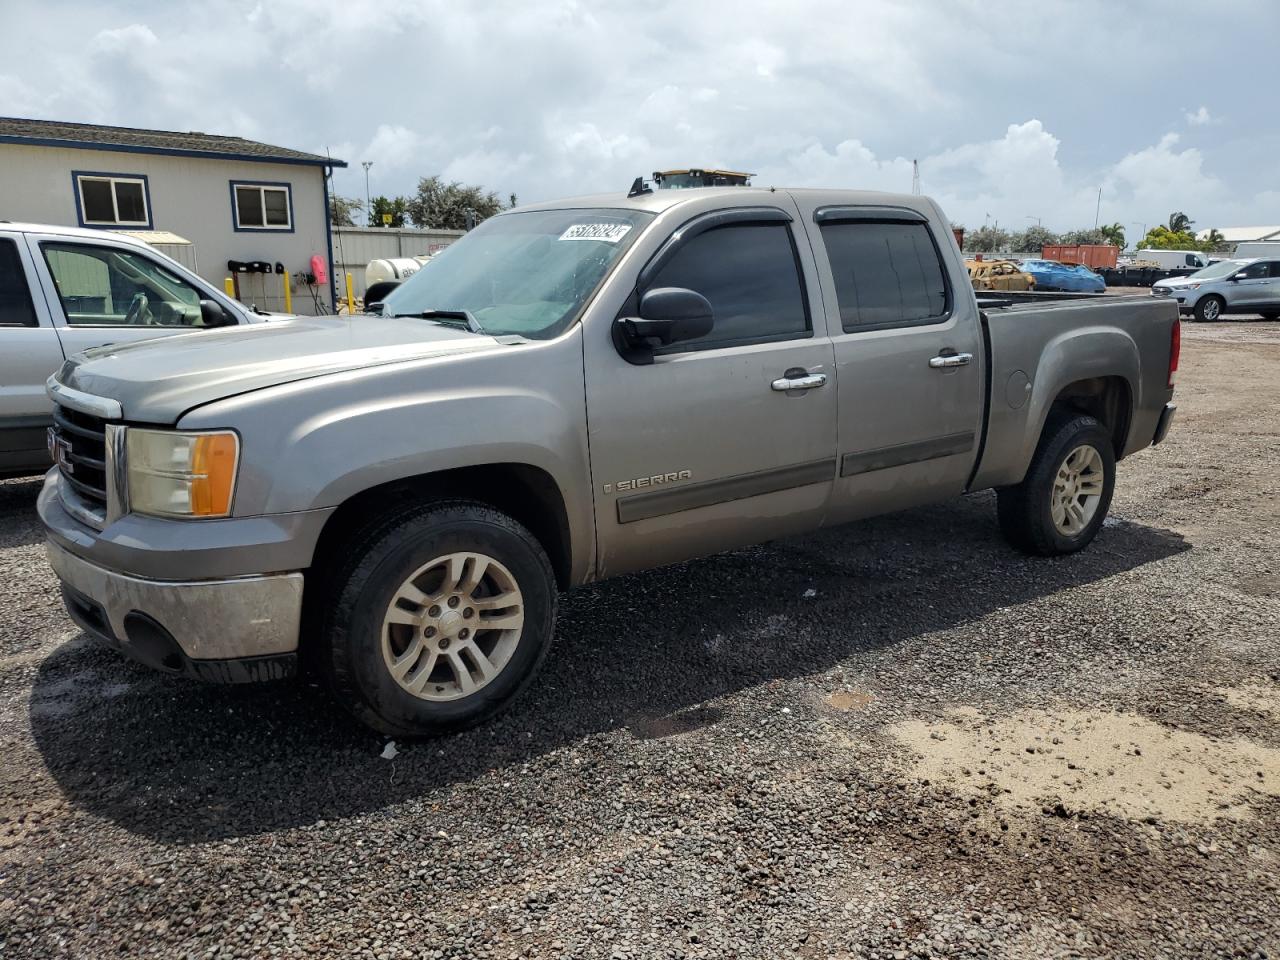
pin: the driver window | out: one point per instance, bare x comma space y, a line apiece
1254, 271
105, 286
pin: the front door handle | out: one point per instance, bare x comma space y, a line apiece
798, 380
945, 360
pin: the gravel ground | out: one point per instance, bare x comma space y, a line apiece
894, 739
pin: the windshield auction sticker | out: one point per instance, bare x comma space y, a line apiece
608, 232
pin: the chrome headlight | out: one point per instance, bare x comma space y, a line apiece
176, 474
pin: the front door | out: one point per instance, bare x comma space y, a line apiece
1252, 287
29, 354
725, 440
104, 293
908, 353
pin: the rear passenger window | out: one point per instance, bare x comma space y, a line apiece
886, 273
750, 274
15, 296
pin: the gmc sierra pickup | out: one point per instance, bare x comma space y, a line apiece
573, 391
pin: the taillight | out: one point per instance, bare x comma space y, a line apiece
1175, 351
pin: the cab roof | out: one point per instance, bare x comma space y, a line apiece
659, 201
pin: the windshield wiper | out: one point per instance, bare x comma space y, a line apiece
465, 317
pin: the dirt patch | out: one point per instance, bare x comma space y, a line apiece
1081, 761
845, 700
1254, 696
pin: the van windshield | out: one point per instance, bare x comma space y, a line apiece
1223, 268
528, 274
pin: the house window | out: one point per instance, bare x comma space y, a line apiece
112, 200
262, 206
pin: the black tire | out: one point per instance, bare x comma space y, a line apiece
1269, 314
1203, 307
375, 564
1025, 511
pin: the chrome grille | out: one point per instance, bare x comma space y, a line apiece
79, 446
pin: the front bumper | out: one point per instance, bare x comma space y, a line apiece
233, 630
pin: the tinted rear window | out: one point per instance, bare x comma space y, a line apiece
886, 273
15, 296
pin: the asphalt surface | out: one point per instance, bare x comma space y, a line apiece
895, 739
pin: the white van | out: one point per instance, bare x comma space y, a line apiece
1257, 248
1175, 259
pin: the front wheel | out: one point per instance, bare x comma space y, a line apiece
1210, 308
1061, 503
439, 617
1269, 314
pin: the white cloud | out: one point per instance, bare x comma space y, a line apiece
1199, 118
555, 97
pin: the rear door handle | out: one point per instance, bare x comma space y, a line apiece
945, 360
802, 381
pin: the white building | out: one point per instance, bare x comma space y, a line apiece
1243, 234
223, 206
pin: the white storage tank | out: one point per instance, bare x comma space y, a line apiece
395, 268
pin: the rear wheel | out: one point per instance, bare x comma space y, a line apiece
1270, 314
440, 616
1210, 308
1063, 500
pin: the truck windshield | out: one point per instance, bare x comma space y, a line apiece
1215, 271
528, 274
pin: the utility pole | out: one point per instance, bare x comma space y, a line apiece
368, 205
915, 177
1097, 211
1134, 223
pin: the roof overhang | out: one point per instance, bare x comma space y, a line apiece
167, 151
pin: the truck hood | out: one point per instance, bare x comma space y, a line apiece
156, 381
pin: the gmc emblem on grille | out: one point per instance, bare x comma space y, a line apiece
60, 452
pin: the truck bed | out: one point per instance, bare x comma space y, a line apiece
1038, 345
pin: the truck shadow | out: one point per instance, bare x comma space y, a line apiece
19, 525
183, 762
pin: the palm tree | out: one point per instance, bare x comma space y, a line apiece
1214, 240
1179, 222
1113, 233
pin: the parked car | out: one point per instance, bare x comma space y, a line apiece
572, 391
1066, 277
63, 290
998, 275
1228, 286
1174, 259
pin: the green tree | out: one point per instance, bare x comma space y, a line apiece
1214, 242
1161, 237
986, 240
444, 206
1179, 222
1113, 234
1032, 239
397, 207
343, 210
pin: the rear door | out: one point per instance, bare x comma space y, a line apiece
29, 353
106, 292
706, 448
908, 354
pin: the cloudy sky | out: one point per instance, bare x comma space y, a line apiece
1015, 111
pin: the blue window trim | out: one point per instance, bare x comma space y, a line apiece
146, 198
287, 187
167, 151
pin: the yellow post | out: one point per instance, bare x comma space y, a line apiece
229, 285
288, 294
351, 297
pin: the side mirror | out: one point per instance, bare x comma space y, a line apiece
667, 315
212, 314
1234, 278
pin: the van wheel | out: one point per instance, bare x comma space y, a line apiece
1061, 503
1210, 308
440, 616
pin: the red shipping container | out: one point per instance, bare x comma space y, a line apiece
1092, 255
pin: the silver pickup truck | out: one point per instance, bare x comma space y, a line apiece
575, 390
